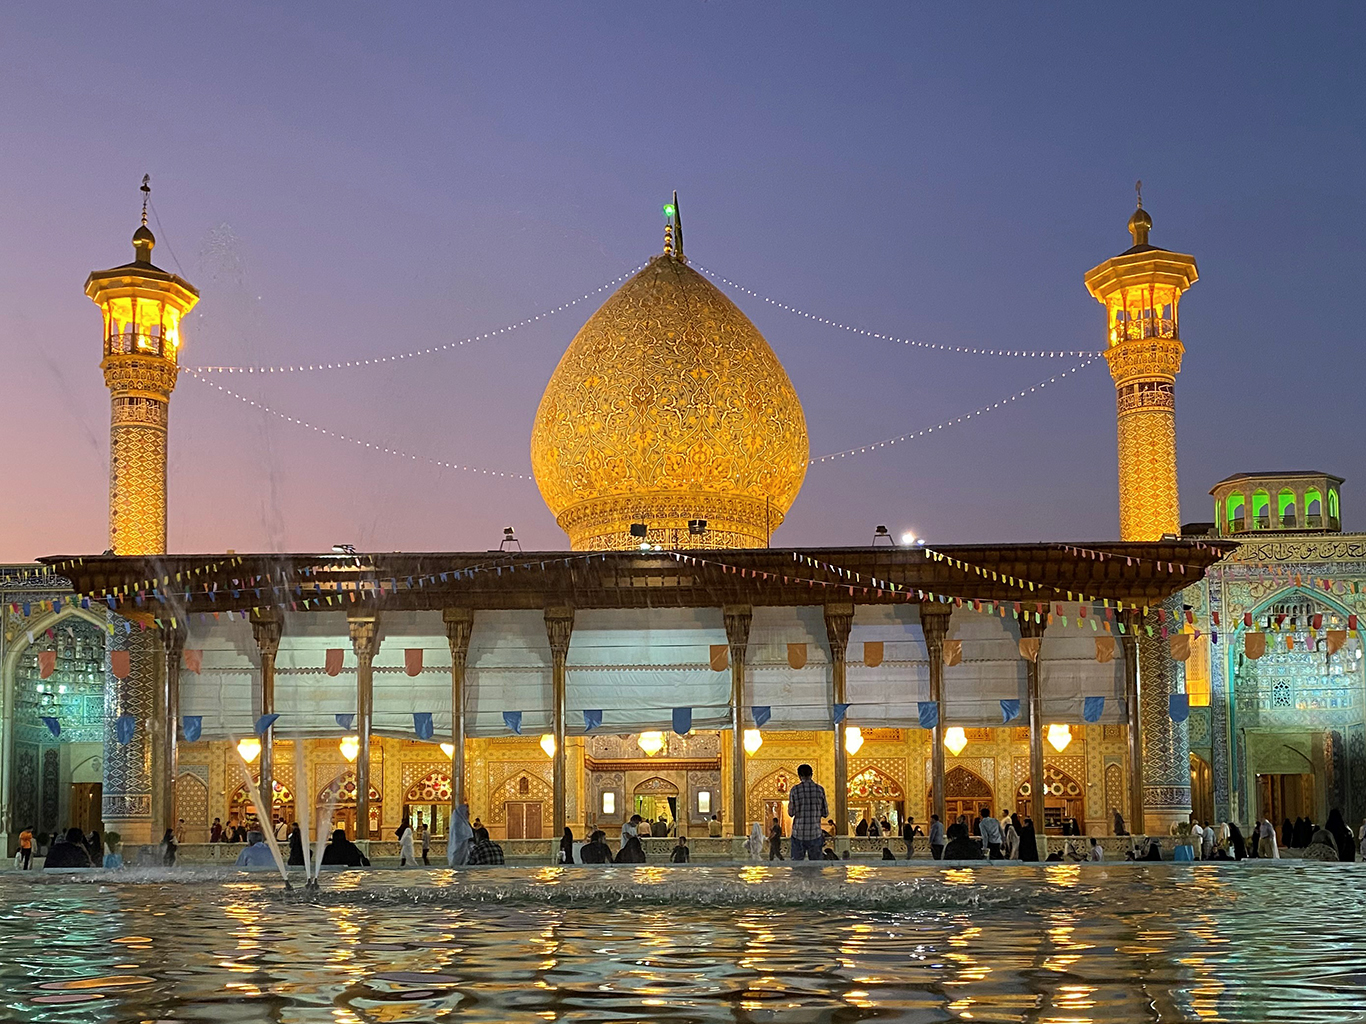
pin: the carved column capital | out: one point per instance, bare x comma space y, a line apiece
934, 621
559, 628
839, 621
737, 618
266, 627
1028, 626
364, 636
173, 641
459, 628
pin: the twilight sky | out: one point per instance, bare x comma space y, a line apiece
347, 181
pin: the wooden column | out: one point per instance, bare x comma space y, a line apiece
1128, 643
559, 627
459, 627
266, 627
365, 642
737, 618
173, 643
839, 619
934, 620
1030, 628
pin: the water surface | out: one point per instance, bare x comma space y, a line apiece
850, 942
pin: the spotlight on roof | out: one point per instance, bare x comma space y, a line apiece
907, 539
344, 549
697, 527
881, 536
509, 539
639, 530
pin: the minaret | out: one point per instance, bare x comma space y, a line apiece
1141, 290
143, 307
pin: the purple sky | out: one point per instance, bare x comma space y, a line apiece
349, 181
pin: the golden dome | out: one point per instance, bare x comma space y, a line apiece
669, 406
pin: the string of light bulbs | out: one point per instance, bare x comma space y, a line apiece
852, 329
888, 442
417, 353
371, 445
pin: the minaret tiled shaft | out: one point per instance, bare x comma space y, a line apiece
143, 307
1141, 291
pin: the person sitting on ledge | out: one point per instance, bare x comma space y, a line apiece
681, 854
961, 847
887, 853
1154, 850
828, 852
484, 850
341, 852
714, 826
596, 850
68, 851
257, 854
631, 851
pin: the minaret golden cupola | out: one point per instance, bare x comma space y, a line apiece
1141, 292
669, 410
143, 308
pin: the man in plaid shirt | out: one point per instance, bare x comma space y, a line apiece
807, 807
483, 850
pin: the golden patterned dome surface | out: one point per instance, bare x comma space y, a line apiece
669, 406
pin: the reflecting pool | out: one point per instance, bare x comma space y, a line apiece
848, 942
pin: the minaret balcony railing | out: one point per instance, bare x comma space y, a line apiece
1142, 328
128, 343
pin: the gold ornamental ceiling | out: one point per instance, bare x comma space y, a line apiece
669, 406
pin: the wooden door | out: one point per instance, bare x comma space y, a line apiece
524, 819
86, 811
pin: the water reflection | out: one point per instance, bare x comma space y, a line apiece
850, 942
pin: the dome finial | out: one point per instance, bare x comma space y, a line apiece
143, 239
673, 230
1140, 223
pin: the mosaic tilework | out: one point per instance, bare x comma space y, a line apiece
1166, 745
128, 768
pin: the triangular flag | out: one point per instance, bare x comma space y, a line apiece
422, 722
953, 652
872, 653
1010, 710
120, 664
682, 719
840, 711
332, 663
191, 726
124, 726
47, 663
513, 720
345, 721
53, 726
929, 714
1092, 708
762, 713
263, 723
194, 660
1029, 648
591, 720
1178, 706
1105, 649
412, 661
796, 655
720, 657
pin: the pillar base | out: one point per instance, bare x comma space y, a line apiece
133, 831
1165, 806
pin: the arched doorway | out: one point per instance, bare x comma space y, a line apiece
1202, 790
654, 799
965, 793
1063, 798
875, 795
429, 800
192, 806
519, 806
240, 807
768, 797
340, 794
